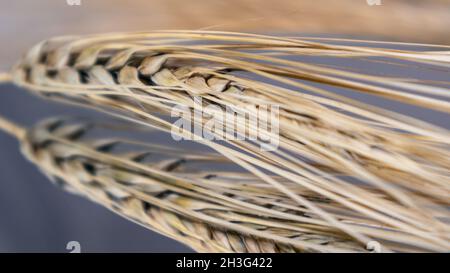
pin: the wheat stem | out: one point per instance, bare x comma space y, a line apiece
12, 128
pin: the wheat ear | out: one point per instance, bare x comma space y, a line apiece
400, 162
210, 211
168, 197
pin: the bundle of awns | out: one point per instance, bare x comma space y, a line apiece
311, 144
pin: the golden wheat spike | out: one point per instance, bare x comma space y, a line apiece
206, 209
162, 195
326, 141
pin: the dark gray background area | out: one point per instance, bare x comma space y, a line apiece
37, 216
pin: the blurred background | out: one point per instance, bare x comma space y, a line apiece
38, 217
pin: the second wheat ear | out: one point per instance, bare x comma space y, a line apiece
327, 141
170, 196
184, 197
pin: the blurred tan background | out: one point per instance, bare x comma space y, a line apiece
25, 22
